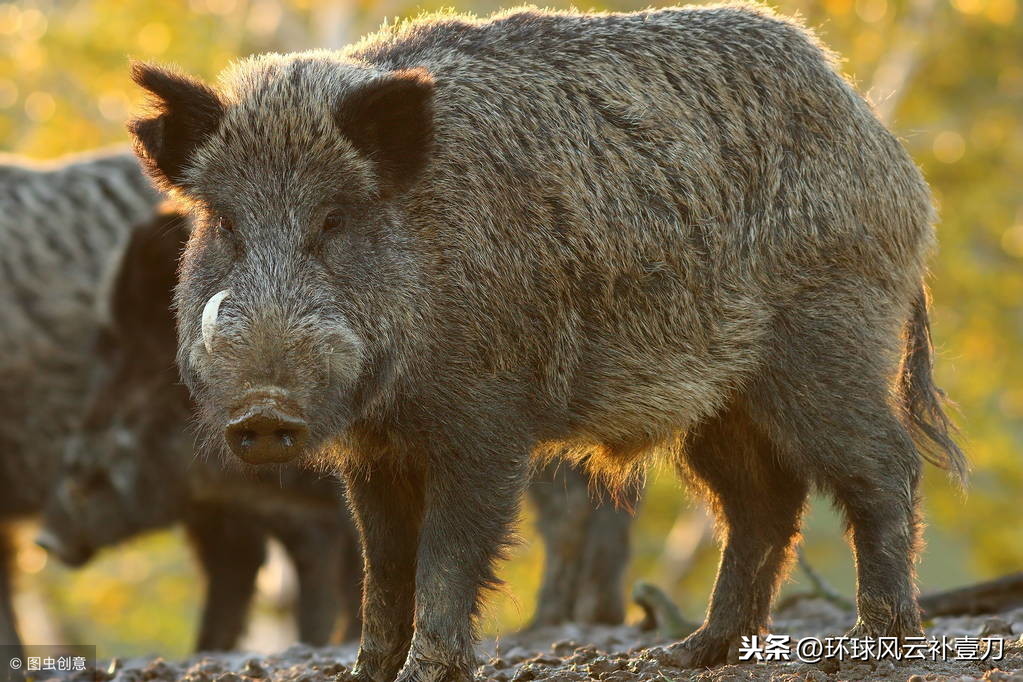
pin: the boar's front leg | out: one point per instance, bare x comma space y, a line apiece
231, 547
471, 500
387, 506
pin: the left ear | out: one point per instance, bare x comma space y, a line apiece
390, 120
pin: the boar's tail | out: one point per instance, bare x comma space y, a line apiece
922, 401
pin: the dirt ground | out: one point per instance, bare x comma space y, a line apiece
624, 653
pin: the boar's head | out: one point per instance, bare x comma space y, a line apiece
124, 468
298, 280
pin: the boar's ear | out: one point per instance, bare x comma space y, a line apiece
390, 120
185, 112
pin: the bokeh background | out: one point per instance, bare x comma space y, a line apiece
948, 78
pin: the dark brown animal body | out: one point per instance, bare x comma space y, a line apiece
61, 224
460, 243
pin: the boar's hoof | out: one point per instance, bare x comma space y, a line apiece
375, 666
422, 671
266, 434
705, 648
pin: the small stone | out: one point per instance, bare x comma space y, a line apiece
995, 626
617, 676
603, 665
582, 656
333, 668
545, 659
253, 668
209, 666
159, 670
229, 677
525, 673
637, 666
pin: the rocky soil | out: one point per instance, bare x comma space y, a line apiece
624, 653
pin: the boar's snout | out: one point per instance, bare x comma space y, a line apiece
73, 555
265, 431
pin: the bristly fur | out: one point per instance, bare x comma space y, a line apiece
923, 402
391, 122
677, 230
185, 109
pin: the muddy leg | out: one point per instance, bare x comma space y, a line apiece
472, 500
387, 507
586, 543
758, 505
869, 463
832, 414
231, 548
885, 527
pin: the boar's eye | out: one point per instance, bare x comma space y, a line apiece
225, 225
335, 220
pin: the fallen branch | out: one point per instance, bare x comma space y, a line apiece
990, 596
660, 612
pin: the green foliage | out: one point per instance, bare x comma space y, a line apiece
948, 76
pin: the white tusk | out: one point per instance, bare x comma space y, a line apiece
209, 318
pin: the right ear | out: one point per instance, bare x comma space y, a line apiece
185, 112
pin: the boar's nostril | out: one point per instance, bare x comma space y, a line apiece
266, 433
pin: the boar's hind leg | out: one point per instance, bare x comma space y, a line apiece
599, 597
471, 502
828, 401
879, 496
387, 506
861, 453
758, 504
231, 548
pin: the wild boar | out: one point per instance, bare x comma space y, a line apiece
61, 224
460, 245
